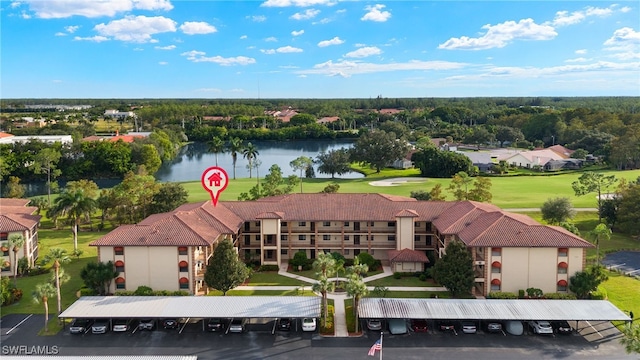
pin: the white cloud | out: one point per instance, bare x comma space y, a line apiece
375, 13
271, 39
625, 42
24, 15
136, 28
163, 63
322, 21
565, 18
258, 18
138, 49
15, 4
580, 59
581, 51
60, 34
625, 9
297, 33
199, 56
298, 3
335, 41
243, 37
197, 27
500, 35
364, 52
71, 28
96, 38
54, 9
349, 68
268, 51
288, 49
168, 47
306, 15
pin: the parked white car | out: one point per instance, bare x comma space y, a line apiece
541, 327
309, 324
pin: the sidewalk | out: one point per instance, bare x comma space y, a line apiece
339, 312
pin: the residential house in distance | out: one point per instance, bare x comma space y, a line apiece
510, 251
283, 115
115, 114
50, 139
16, 217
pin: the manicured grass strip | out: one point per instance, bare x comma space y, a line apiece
297, 292
411, 281
417, 294
312, 274
272, 278
623, 292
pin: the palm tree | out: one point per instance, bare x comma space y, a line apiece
16, 241
216, 146
324, 264
250, 152
234, 147
57, 256
337, 269
324, 286
357, 268
75, 204
356, 288
601, 232
43, 292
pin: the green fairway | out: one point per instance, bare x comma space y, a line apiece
623, 292
508, 191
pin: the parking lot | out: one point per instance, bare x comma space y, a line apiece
258, 342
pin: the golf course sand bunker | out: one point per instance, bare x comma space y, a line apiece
397, 181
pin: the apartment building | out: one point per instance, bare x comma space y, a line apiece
510, 251
16, 217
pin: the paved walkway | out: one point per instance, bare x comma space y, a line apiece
339, 312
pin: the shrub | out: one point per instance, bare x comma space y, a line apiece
87, 292
534, 293
299, 259
502, 295
337, 256
38, 271
23, 265
125, 293
367, 259
521, 294
143, 291
268, 268
599, 294
422, 277
560, 296
397, 275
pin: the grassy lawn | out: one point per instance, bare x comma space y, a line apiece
271, 278
623, 291
48, 239
412, 281
311, 274
306, 292
415, 294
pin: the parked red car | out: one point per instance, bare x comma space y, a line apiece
419, 325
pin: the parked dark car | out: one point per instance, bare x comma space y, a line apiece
419, 325
284, 324
80, 326
215, 324
170, 323
447, 325
147, 324
561, 327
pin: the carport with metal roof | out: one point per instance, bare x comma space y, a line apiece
494, 309
137, 307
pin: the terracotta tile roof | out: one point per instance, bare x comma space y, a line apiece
407, 255
4, 134
12, 202
460, 215
407, 213
270, 215
18, 222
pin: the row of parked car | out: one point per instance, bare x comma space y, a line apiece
235, 325
402, 326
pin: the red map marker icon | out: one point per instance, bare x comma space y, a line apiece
215, 180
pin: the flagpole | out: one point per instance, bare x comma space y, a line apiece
381, 344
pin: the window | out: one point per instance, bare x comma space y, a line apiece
119, 266
429, 227
118, 250
121, 283
495, 270
391, 224
345, 238
563, 252
257, 223
247, 239
326, 223
284, 251
562, 267
562, 270
496, 267
373, 252
184, 283
346, 224
495, 287
326, 237
184, 266
302, 223
302, 237
372, 224
257, 237
416, 224
4, 236
247, 226
429, 239
416, 237
182, 250
562, 285
283, 223
496, 251
346, 251
284, 237
391, 238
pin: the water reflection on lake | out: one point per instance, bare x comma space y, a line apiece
195, 158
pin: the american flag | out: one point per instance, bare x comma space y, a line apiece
376, 346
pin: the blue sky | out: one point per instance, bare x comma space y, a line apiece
318, 48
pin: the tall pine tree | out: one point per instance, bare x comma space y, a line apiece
225, 270
455, 269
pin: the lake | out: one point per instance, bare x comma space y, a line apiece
194, 158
